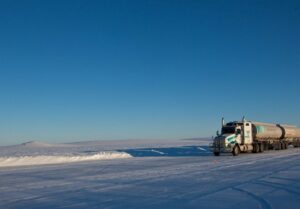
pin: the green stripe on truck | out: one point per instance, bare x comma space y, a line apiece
260, 129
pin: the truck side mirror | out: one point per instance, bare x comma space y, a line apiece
217, 133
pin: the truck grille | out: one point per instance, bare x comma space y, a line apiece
219, 143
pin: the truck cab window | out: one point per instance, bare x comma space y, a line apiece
228, 130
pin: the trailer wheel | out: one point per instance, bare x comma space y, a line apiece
296, 143
261, 147
255, 148
277, 146
236, 150
282, 145
266, 147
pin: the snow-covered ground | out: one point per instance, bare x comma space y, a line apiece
156, 174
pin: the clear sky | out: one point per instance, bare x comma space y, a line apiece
88, 70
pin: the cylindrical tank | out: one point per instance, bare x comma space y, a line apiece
298, 133
290, 131
266, 131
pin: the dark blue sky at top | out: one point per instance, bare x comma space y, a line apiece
86, 70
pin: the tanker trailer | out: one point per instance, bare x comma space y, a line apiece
291, 134
267, 136
248, 136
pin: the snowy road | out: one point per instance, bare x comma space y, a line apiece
266, 181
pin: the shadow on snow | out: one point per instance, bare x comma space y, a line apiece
169, 152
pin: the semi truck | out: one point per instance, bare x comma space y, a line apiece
256, 137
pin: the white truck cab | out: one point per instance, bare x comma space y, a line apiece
235, 137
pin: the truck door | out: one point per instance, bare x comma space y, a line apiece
247, 133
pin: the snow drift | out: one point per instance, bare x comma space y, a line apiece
40, 153
48, 159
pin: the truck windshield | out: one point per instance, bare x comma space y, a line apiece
228, 130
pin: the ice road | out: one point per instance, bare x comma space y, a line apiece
179, 176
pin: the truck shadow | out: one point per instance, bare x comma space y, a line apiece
185, 151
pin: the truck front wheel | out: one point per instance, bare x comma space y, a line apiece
216, 153
236, 150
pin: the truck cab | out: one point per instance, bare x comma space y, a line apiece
235, 137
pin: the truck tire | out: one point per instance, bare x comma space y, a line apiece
266, 147
296, 143
236, 150
261, 147
277, 146
286, 145
216, 153
255, 148
281, 145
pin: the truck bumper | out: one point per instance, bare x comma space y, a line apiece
218, 148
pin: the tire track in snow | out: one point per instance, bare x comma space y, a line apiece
276, 186
262, 202
192, 195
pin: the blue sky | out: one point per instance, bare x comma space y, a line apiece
87, 70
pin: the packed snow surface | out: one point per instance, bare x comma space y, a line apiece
170, 174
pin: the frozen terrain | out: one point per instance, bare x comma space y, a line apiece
154, 174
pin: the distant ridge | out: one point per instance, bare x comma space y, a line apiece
36, 144
198, 139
